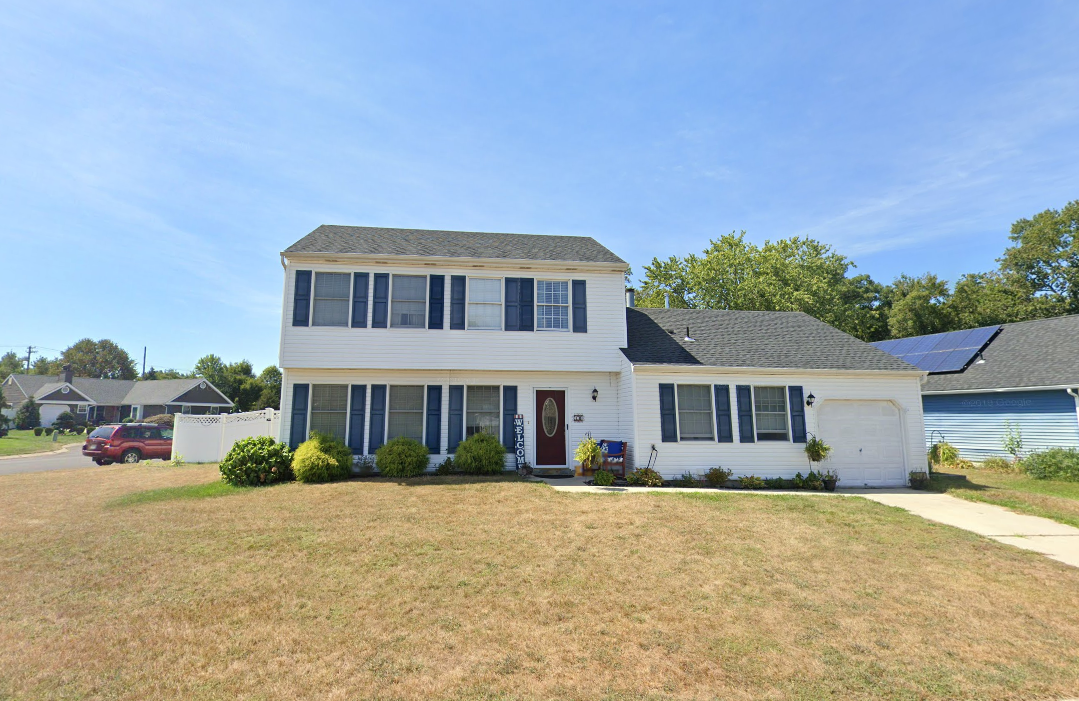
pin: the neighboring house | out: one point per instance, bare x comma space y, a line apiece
436, 335
1024, 375
102, 401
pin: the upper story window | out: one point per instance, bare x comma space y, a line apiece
481, 410
484, 303
770, 408
695, 412
408, 304
405, 415
331, 299
552, 305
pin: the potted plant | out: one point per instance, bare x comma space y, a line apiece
919, 480
816, 450
589, 455
829, 477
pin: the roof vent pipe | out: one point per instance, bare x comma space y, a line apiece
667, 300
631, 297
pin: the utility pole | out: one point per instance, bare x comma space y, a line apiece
144, 361
29, 352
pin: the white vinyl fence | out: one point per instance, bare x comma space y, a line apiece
209, 438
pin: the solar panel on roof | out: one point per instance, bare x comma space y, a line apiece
940, 352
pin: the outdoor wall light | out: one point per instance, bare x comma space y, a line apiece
810, 399
595, 394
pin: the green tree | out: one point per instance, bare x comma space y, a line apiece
168, 374
270, 396
28, 415
11, 364
232, 379
213, 369
46, 366
102, 359
917, 306
1044, 258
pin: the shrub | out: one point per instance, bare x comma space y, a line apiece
38, 430
963, 464
126, 420
161, 419
48, 430
28, 416
717, 477
943, 454
686, 480
814, 481
402, 457
336, 449
480, 454
798, 482
255, 461
603, 478
645, 477
312, 465
998, 464
1012, 441
1054, 464
750, 482
775, 483
445, 467
79, 430
589, 453
66, 420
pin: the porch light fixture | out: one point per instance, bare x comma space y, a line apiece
810, 399
595, 394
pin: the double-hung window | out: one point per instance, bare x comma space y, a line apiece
695, 413
481, 410
770, 410
331, 299
408, 305
484, 303
329, 409
552, 305
405, 412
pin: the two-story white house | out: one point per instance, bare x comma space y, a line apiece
436, 335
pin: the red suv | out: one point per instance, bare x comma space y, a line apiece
128, 443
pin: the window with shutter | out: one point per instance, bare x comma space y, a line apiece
509, 410
434, 419
380, 304
798, 414
744, 396
668, 417
436, 304
770, 412
724, 431
329, 404
457, 302
552, 305
298, 429
408, 306
456, 417
378, 418
301, 299
580, 307
484, 303
357, 407
331, 299
694, 413
513, 305
360, 283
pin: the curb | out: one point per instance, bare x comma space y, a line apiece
34, 455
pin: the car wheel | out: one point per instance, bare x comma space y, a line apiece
99, 461
130, 457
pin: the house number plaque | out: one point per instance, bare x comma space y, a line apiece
578, 418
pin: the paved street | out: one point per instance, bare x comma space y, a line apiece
72, 457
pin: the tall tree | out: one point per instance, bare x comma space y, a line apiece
270, 396
11, 364
101, 359
1044, 257
917, 306
46, 366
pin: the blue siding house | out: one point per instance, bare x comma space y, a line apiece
1024, 375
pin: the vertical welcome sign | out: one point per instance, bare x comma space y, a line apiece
519, 438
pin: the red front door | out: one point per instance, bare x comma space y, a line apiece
550, 427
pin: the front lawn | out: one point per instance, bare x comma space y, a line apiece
20, 442
1052, 499
131, 582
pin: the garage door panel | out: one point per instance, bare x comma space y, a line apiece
867, 442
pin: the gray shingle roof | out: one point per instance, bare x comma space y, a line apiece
1037, 353
159, 391
112, 392
371, 240
742, 339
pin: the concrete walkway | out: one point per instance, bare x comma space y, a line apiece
1041, 535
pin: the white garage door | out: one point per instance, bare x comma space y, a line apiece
867, 442
49, 412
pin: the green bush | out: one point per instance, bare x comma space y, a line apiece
775, 483
750, 482
28, 416
814, 481
256, 461
38, 430
160, 419
48, 430
79, 430
603, 478
686, 480
998, 464
645, 477
336, 449
402, 457
943, 454
312, 465
126, 420
480, 454
445, 467
1053, 464
717, 477
66, 420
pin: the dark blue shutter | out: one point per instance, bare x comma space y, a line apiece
580, 307
457, 301
513, 311
457, 417
301, 300
745, 414
527, 297
381, 306
298, 432
724, 432
357, 408
798, 415
509, 410
438, 302
668, 418
360, 283
434, 418
378, 416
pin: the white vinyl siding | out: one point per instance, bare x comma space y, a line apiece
408, 302
331, 299
552, 305
481, 410
695, 413
405, 412
329, 409
484, 303
770, 413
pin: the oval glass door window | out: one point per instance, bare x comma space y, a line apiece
550, 417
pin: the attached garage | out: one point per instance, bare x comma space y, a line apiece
867, 442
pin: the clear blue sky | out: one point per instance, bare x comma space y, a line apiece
163, 154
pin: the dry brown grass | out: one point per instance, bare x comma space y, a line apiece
492, 589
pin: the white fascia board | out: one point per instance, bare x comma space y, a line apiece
446, 261
669, 369
1000, 389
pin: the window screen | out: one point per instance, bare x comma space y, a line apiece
695, 412
408, 307
331, 299
405, 412
329, 404
484, 303
481, 410
552, 305
770, 407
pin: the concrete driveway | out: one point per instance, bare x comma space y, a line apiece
71, 457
